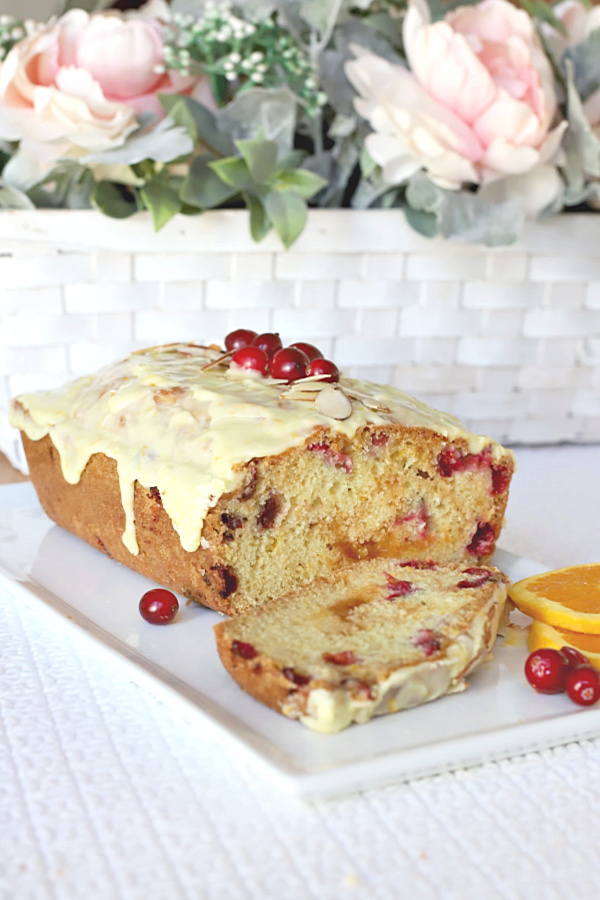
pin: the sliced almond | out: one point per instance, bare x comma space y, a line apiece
333, 402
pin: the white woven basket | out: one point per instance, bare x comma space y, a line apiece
508, 339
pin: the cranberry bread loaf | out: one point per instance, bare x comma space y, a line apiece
233, 488
377, 637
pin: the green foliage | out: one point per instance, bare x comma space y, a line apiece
113, 201
274, 189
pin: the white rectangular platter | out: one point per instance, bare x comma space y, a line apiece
498, 716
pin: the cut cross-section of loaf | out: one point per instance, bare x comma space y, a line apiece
378, 637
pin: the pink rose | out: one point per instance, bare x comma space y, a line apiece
478, 102
77, 86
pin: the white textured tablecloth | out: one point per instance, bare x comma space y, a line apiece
105, 792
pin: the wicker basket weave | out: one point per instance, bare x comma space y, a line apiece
508, 339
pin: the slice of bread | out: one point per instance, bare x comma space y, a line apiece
377, 637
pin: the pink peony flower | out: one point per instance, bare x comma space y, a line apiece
77, 86
477, 104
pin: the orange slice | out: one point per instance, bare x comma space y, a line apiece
542, 635
566, 598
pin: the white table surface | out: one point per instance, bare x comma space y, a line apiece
105, 792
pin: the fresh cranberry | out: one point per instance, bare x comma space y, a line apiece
158, 606
482, 542
324, 367
574, 657
582, 685
243, 649
289, 364
252, 358
269, 342
546, 669
241, 337
311, 351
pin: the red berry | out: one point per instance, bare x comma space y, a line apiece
324, 367
582, 684
289, 364
311, 351
546, 669
252, 358
158, 606
269, 342
574, 657
241, 337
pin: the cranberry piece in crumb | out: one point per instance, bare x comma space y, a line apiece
243, 649
500, 479
479, 577
333, 457
574, 657
289, 364
269, 511
545, 670
158, 606
241, 337
380, 438
295, 677
343, 658
397, 588
482, 542
582, 685
418, 564
269, 342
252, 358
311, 351
428, 642
324, 367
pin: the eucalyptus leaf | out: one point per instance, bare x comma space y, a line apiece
581, 146
303, 182
288, 212
12, 198
234, 172
161, 200
163, 143
424, 223
585, 57
203, 188
107, 198
200, 123
267, 113
67, 186
260, 224
260, 157
321, 15
465, 216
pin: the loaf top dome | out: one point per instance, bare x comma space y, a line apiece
182, 418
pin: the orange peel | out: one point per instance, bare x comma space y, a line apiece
566, 598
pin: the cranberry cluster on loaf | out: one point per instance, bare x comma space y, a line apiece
233, 487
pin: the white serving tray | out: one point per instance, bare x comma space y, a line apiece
498, 716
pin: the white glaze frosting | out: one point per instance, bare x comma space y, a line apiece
173, 424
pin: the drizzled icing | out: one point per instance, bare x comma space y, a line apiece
175, 418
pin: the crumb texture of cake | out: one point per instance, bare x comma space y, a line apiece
378, 637
233, 488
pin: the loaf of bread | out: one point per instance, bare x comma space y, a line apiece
377, 637
232, 488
